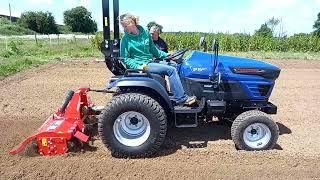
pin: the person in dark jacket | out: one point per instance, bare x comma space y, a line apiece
157, 40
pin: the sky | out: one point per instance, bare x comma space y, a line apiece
228, 16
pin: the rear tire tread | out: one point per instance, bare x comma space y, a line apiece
144, 101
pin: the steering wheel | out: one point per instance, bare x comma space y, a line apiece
177, 56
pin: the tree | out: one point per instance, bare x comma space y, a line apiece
79, 20
4, 21
41, 22
63, 29
264, 31
317, 26
282, 32
29, 20
49, 25
272, 23
152, 23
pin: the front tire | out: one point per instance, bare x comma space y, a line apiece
132, 125
254, 130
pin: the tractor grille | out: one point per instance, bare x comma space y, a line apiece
259, 90
263, 89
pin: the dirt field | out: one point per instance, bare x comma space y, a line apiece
27, 99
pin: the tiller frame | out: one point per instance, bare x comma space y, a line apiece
63, 128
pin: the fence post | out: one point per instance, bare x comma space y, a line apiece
6, 38
58, 39
49, 39
35, 37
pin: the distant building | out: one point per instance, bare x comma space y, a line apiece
13, 18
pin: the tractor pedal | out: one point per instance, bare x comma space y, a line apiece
190, 109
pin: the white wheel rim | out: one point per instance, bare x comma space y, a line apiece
131, 128
257, 135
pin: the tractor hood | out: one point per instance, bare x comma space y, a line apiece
198, 65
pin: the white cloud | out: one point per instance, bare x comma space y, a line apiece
36, 2
85, 3
181, 23
169, 21
74, 3
15, 13
70, 2
296, 15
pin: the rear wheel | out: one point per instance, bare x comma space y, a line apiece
132, 125
254, 130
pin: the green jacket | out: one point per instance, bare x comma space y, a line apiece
137, 50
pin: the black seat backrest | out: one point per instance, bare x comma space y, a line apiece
115, 66
112, 57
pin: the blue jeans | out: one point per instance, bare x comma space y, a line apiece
174, 79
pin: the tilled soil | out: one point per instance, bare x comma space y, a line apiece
207, 152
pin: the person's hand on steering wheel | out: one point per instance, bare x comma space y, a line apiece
176, 56
169, 56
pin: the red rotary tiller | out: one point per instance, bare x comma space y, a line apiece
72, 123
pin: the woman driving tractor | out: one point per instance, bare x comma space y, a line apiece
137, 51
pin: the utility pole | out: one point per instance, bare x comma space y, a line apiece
10, 12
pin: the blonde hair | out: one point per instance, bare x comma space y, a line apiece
128, 18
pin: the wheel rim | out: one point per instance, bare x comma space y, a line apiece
131, 128
257, 135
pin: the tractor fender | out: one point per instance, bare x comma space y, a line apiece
143, 82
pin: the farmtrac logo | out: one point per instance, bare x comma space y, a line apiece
199, 69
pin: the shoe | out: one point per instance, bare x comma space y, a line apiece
190, 100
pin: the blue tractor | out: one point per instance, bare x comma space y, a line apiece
231, 89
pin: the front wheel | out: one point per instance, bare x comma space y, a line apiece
254, 130
133, 125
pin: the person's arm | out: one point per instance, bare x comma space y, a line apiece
131, 63
155, 51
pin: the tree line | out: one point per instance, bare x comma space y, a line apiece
271, 36
243, 42
77, 19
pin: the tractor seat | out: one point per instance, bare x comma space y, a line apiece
134, 73
156, 77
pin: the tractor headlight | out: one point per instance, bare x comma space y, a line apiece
241, 70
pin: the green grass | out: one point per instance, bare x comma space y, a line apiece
13, 29
7, 28
20, 55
